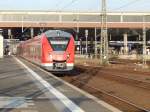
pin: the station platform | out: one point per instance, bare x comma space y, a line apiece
27, 88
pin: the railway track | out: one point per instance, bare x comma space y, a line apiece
122, 104
122, 78
127, 80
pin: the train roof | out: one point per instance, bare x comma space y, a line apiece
56, 33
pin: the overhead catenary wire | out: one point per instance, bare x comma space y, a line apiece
57, 4
126, 5
67, 5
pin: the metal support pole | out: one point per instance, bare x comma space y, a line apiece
95, 42
32, 32
110, 37
9, 33
125, 39
78, 29
80, 46
22, 24
144, 42
104, 35
86, 36
139, 38
76, 39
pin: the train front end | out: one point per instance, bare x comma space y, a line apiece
58, 51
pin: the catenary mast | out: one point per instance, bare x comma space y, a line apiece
104, 35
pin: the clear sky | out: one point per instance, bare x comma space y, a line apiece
75, 5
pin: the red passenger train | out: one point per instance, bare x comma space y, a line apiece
53, 50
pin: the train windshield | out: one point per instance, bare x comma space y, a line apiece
59, 43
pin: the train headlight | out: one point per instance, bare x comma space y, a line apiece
68, 56
50, 57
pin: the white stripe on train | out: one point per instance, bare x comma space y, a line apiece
51, 64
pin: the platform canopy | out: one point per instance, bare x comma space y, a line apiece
72, 19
